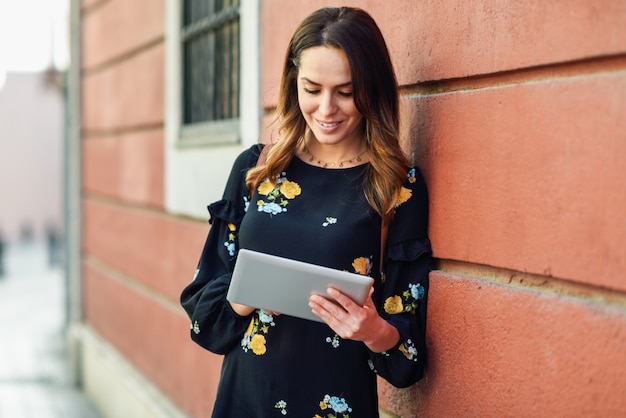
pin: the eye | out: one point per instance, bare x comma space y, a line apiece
310, 91
345, 93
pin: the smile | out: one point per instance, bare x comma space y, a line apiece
328, 124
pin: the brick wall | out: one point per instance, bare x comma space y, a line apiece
137, 257
513, 109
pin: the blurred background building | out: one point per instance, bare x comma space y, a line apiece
34, 52
32, 110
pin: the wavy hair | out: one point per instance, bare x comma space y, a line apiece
375, 93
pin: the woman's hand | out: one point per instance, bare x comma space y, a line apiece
354, 322
241, 310
244, 310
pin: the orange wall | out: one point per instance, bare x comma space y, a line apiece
513, 109
137, 258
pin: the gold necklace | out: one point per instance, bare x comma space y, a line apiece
324, 164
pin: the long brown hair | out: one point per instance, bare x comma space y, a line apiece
375, 96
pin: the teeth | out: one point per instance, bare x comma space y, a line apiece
328, 125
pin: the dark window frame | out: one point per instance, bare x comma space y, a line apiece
210, 71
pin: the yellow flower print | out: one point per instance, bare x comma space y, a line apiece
253, 339
250, 326
232, 227
411, 175
257, 344
323, 405
408, 349
290, 189
404, 195
404, 351
393, 305
362, 265
266, 187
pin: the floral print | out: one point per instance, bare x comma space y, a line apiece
362, 265
407, 302
329, 221
232, 237
411, 175
254, 337
282, 405
338, 405
277, 194
334, 341
408, 349
403, 195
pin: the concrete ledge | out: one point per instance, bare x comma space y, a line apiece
113, 384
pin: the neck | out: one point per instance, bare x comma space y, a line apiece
332, 157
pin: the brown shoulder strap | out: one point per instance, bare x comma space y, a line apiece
384, 227
263, 154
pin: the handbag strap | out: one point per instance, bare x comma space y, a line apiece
263, 155
384, 227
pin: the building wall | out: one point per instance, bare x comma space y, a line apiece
31, 155
514, 111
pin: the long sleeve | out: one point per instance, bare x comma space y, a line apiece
404, 294
214, 324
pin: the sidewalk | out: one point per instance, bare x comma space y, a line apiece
35, 377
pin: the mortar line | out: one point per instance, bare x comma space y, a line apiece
124, 56
538, 74
533, 281
103, 133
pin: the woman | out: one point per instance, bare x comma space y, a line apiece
336, 176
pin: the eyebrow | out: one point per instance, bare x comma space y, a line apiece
348, 84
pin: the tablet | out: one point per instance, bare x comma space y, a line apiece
283, 285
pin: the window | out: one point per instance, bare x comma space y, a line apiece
210, 71
212, 57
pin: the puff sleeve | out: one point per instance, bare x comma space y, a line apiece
404, 293
214, 324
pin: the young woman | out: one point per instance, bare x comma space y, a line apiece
331, 187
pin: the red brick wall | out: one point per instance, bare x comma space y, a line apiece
137, 258
513, 109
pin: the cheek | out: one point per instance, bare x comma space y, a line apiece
307, 105
350, 109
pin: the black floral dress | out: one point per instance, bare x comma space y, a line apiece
284, 366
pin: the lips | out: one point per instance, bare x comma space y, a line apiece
327, 124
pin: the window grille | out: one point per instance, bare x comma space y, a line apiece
210, 54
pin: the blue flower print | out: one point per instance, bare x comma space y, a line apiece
232, 237
337, 405
272, 208
411, 175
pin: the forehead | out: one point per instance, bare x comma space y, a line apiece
325, 66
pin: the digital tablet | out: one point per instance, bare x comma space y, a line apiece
283, 285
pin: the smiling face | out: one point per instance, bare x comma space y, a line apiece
326, 98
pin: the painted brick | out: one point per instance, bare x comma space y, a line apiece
154, 337
459, 38
113, 30
503, 351
127, 167
529, 177
125, 95
159, 251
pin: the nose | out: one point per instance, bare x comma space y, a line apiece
327, 104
